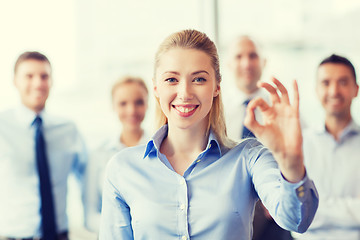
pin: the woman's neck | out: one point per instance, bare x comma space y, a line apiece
131, 138
183, 146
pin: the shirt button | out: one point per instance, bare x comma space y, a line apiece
182, 206
199, 160
300, 191
182, 181
184, 238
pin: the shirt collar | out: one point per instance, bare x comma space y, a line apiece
153, 146
351, 128
115, 143
26, 116
214, 144
155, 142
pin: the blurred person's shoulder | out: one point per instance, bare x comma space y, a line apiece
7, 115
54, 119
126, 159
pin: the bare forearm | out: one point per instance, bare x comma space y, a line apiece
292, 169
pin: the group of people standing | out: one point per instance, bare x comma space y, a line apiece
206, 172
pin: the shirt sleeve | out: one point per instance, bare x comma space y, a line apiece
92, 193
292, 205
80, 158
79, 164
115, 214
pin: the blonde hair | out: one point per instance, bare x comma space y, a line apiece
193, 39
128, 79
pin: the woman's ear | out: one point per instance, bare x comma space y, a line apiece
217, 90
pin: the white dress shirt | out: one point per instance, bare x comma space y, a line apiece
95, 177
335, 168
20, 195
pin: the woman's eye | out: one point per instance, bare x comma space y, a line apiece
171, 80
139, 102
199, 80
122, 104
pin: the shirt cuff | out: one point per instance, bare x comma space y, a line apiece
300, 189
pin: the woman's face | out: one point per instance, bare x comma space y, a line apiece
130, 104
185, 85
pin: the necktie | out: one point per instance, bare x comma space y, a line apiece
47, 203
246, 133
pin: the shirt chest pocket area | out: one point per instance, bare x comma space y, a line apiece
60, 164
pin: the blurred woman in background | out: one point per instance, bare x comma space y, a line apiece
130, 103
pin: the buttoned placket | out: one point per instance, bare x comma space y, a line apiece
330, 167
184, 199
183, 208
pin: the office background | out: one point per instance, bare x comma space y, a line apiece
91, 43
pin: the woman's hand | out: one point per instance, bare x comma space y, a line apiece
281, 131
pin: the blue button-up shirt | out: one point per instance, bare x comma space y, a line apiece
95, 172
19, 186
144, 198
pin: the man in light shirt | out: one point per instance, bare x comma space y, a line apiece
246, 63
37, 152
332, 154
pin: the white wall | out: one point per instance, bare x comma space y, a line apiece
91, 43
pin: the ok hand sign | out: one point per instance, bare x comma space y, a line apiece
281, 131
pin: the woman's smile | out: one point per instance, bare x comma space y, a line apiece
185, 110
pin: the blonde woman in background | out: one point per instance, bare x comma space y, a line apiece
190, 181
130, 103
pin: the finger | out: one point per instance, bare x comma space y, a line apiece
274, 96
258, 103
296, 96
282, 89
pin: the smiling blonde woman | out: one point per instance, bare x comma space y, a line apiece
190, 181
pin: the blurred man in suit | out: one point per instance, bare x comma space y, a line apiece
37, 152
